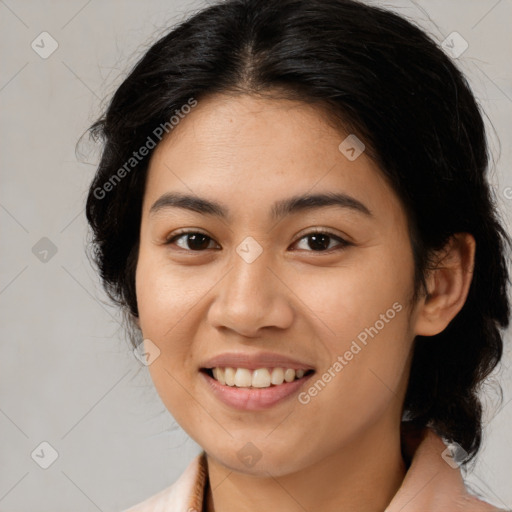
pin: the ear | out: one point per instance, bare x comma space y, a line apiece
447, 285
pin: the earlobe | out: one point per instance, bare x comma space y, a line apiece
447, 285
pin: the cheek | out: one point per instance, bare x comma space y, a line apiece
351, 297
167, 293
363, 313
366, 373
168, 298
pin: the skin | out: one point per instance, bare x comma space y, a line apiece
246, 153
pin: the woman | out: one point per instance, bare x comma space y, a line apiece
292, 207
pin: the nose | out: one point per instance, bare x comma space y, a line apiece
250, 298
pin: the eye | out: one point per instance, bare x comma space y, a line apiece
191, 241
316, 241
322, 241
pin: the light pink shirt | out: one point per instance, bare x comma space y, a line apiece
430, 485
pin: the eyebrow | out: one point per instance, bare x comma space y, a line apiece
279, 209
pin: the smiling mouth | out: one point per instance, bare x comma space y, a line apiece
260, 378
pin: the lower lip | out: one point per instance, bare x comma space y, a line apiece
254, 399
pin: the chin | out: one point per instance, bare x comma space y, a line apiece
259, 459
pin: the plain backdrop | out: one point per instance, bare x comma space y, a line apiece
68, 376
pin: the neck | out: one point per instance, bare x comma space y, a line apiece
362, 476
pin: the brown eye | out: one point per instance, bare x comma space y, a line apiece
322, 241
191, 241
319, 242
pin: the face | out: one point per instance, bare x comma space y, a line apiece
274, 277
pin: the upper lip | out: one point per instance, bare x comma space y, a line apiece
254, 361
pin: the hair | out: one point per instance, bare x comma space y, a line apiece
388, 83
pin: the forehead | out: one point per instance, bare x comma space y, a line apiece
254, 151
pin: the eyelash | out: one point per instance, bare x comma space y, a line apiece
342, 243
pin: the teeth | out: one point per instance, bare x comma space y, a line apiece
218, 373
243, 378
289, 375
260, 378
277, 376
229, 376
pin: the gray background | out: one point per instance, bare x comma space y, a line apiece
67, 373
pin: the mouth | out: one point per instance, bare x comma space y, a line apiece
259, 378
254, 389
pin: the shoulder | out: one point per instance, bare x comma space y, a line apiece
471, 503
181, 495
433, 482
